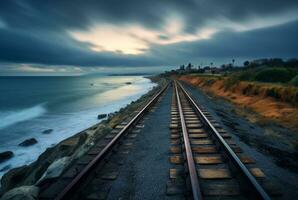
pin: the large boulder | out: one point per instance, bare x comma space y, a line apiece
30, 174
28, 142
55, 169
14, 177
22, 193
5, 156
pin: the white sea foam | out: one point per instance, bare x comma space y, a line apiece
65, 124
9, 118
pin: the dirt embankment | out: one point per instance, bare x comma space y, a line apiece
270, 101
262, 103
268, 107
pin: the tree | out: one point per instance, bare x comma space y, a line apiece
246, 63
233, 61
188, 67
211, 64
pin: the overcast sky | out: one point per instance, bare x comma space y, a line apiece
86, 36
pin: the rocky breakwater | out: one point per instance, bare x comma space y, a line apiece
23, 182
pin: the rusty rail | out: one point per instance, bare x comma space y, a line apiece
195, 186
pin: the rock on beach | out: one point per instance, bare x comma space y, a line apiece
47, 131
5, 156
28, 142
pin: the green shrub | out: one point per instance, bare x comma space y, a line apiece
246, 75
294, 81
281, 75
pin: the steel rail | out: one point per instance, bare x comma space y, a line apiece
67, 191
257, 188
196, 191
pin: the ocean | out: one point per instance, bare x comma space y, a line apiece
31, 105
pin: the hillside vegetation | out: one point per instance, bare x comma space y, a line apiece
270, 78
269, 75
272, 101
269, 71
282, 92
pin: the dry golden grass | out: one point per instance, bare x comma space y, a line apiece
271, 101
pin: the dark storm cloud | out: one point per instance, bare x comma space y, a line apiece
268, 42
52, 49
35, 31
53, 15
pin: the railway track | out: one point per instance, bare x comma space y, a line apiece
206, 162
90, 169
205, 158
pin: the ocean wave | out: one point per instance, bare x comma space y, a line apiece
9, 118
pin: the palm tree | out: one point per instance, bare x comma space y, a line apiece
233, 61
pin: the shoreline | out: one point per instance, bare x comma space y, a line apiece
64, 116
55, 161
72, 147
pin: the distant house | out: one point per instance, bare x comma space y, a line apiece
259, 61
211, 70
207, 69
215, 70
